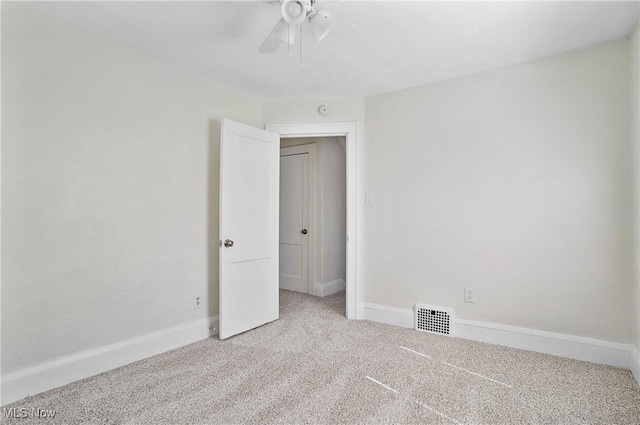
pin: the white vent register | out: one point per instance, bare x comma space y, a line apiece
437, 320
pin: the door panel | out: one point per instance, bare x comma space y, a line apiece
294, 218
249, 193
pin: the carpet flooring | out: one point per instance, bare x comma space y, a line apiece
313, 366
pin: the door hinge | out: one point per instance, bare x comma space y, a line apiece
220, 242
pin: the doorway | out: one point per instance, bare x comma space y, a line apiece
352, 140
313, 215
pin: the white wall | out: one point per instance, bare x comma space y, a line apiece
306, 111
110, 190
330, 202
334, 211
635, 131
515, 182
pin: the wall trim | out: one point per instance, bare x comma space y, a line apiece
34, 380
389, 315
329, 288
571, 346
634, 362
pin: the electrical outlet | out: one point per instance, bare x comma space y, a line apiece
197, 301
469, 295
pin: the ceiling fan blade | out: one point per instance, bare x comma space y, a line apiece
281, 33
348, 22
273, 40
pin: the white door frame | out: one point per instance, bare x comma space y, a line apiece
309, 149
350, 131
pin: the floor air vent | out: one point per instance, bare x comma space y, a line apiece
437, 320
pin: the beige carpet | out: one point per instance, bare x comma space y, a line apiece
314, 366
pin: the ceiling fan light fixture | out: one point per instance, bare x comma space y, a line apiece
322, 23
294, 11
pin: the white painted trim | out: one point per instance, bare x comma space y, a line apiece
34, 380
389, 315
329, 288
571, 346
350, 130
309, 149
634, 362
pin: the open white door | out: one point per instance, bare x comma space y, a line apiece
249, 221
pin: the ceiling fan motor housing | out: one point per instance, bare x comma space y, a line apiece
294, 11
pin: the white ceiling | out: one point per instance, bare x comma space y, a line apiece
409, 43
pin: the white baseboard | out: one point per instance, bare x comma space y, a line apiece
389, 315
20, 384
329, 288
634, 362
571, 346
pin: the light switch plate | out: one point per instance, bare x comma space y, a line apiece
368, 198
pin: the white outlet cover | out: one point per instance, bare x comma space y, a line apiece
197, 301
469, 295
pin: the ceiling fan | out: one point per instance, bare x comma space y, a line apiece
294, 13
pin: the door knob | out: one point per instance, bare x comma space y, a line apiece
304, 231
228, 243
